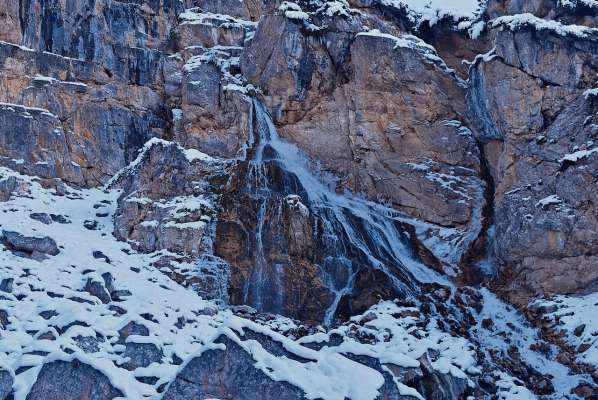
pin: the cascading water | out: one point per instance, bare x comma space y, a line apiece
351, 233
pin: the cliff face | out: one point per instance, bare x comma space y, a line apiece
179, 178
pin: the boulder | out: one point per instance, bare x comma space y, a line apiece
29, 246
74, 380
227, 374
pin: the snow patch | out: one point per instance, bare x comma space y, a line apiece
518, 21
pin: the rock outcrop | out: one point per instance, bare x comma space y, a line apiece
539, 128
90, 78
227, 373
380, 103
6, 381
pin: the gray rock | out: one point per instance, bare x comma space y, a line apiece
61, 380
527, 128
228, 374
41, 217
8, 186
3, 319
61, 219
141, 355
97, 289
28, 246
88, 344
5, 384
91, 225
132, 328
6, 285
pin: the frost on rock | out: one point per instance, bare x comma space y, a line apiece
574, 4
590, 93
549, 200
191, 155
578, 155
511, 389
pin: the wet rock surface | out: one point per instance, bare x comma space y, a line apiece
331, 100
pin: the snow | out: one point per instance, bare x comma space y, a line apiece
293, 11
570, 312
573, 4
590, 93
194, 155
509, 389
26, 111
578, 155
339, 7
24, 48
194, 16
514, 22
474, 29
510, 328
433, 11
549, 200
399, 340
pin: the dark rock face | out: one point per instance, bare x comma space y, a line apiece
77, 381
85, 63
100, 31
166, 202
279, 232
141, 355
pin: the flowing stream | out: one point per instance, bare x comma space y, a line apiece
354, 233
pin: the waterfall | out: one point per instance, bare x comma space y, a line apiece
353, 233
